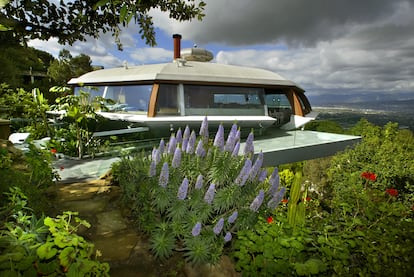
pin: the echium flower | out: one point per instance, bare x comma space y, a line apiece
256, 166
191, 143
238, 135
231, 139
219, 138
176, 161
186, 137
257, 202
199, 182
263, 175
244, 173
209, 196
187, 132
219, 226
172, 145
236, 149
233, 217
227, 237
154, 153
152, 170
161, 148
275, 200
164, 175
200, 151
204, 129
274, 181
183, 189
196, 229
248, 146
179, 136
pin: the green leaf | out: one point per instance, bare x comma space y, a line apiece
46, 251
63, 240
67, 256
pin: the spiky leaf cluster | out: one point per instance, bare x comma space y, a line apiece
202, 200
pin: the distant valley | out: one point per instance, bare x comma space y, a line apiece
377, 112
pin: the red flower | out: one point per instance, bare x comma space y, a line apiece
284, 201
392, 192
307, 199
53, 151
270, 219
369, 176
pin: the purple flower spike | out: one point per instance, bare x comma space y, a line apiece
256, 166
172, 145
200, 151
209, 196
199, 182
236, 149
153, 170
248, 147
272, 204
231, 139
257, 202
191, 143
179, 136
238, 134
244, 173
184, 144
227, 237
154, 154
196, 229
204, 129
176, 161
219, 139
219, 226
187, 132
274, 182
182, 190
233, 217
161, 148
275, 174
164, 175
262, 175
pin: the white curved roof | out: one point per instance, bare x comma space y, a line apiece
190, 71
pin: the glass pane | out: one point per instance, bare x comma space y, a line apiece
276, 100
133, 98
167, 101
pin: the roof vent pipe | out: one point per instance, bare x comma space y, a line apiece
177, 46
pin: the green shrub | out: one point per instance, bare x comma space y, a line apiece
31, 172
193, 194
45, 246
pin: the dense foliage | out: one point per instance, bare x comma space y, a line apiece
67, 67
44, 246
358, 220
71, 21
31, 172
192, 195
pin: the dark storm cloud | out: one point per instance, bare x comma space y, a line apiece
295, 22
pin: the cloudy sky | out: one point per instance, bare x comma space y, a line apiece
333, 47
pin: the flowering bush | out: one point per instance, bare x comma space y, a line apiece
198, 192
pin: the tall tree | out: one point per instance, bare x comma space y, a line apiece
70, 21
67, 67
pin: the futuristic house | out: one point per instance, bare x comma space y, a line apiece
171, 95
157, 99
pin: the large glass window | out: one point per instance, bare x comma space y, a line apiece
278, 106
220, 100
133, 98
